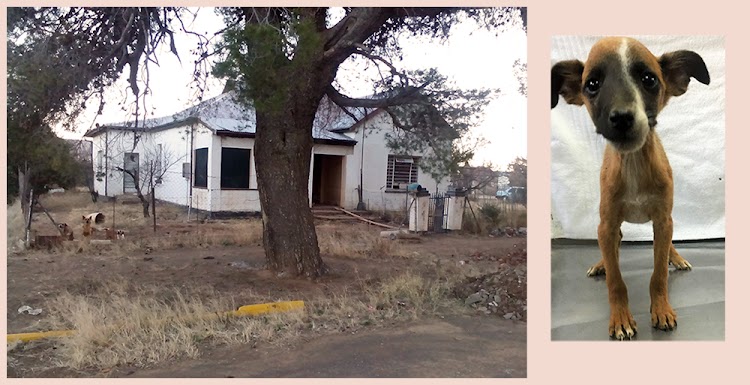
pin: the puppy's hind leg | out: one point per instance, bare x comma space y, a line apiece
598, 268
676, 260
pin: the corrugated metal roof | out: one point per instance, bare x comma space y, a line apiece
226, 113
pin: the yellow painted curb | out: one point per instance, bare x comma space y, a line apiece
267, 308
26, 337
247, 310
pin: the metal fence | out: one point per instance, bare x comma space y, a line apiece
437, 213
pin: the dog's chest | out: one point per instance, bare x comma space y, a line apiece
637, 199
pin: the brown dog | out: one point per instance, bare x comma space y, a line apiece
624, 87
67, 232
113, 234
87, 230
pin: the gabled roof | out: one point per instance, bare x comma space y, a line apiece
226, 115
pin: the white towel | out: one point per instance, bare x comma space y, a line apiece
691, 128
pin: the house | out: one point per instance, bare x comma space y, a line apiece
203, 158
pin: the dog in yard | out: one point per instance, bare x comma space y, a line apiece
66, 231
52, 241
88, 229
113, 234
624, 87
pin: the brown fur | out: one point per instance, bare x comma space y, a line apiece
113, 234
67, 232
87, 230
635, 186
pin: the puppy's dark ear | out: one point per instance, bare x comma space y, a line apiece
678, 67
566, 81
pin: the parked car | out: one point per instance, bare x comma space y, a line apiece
512, 194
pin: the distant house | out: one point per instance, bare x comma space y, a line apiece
208, 152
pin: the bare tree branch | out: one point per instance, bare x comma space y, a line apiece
407, 95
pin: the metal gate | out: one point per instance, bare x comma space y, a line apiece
438, 214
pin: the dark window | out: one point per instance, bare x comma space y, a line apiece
201, 168
402, 171
235, 168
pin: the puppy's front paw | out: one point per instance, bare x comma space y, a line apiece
680, 263
621, 324
597, 269
663, 316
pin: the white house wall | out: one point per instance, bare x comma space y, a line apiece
113, 144
175, 142
375, 168
202, 138
97, 145
175, 188
234, 200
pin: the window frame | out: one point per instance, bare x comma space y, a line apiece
204, 168
391, 175
232, 165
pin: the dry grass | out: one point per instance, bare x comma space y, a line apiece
413, 294
118, 324
493, 214
230, 233
193, 236
172, 230
68, 201
403, 297
127, 210
354, 242
395, 216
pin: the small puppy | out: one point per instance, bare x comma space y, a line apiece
113, 234
624, 87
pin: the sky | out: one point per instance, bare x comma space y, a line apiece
472, 58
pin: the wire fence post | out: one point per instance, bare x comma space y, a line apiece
28, 222
153, 196
114, 199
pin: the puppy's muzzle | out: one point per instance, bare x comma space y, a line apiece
621, 121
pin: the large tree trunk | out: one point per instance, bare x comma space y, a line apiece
283, 147
286, 104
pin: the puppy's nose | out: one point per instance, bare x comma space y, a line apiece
621, 120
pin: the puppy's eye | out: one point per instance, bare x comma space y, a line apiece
649, 80
592, 86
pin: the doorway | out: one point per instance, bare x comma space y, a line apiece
131, 163
327, 183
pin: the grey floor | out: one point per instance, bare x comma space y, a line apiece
580, 310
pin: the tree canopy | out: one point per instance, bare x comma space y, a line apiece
262, 44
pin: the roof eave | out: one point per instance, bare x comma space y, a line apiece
177, 123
